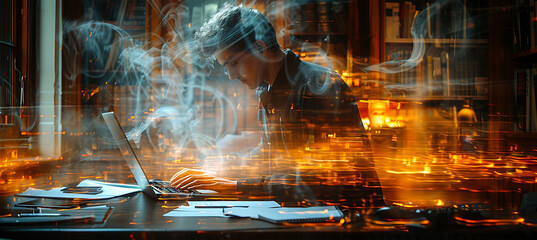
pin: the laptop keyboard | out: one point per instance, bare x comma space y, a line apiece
165, 188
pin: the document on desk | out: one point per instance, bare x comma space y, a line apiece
217, 208
110, 190
224, 204
251, 212
191, 211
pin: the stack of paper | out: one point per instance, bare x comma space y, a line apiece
217, 208
224, 204
191, 211
265, 210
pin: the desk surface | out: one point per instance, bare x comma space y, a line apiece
138, 216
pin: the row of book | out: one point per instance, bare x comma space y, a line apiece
399, 19
445, 20
525, 99
318, 17
525, 25
440, 75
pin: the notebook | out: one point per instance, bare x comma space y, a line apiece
301, 214
160, 190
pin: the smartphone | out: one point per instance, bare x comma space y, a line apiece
83, 190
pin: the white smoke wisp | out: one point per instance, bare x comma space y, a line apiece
159, 83
418, 48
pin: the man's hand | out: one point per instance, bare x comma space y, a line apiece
199, 179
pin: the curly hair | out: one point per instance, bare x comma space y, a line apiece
236, 28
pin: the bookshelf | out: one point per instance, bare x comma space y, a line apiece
453, 45
524, 42
435, 62
318, 32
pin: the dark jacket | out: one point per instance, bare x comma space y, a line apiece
313, 138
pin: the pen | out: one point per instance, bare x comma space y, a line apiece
41, 215
219, 206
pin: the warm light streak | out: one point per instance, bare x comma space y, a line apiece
317, 224
490, 222
393, 222
426, 170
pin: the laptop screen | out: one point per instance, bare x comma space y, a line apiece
128, 152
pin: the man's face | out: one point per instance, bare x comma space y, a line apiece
241, 65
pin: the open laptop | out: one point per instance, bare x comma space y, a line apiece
156, 189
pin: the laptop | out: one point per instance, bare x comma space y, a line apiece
160, 190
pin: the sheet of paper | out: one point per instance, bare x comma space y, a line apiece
267, 204
87, 182
218, 208
250, 212
190, 211
110, 190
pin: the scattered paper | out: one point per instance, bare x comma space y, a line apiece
110, 190
89, 183
224, 204
190, 211
251, 212
218, 208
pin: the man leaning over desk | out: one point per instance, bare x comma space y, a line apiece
312, 134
